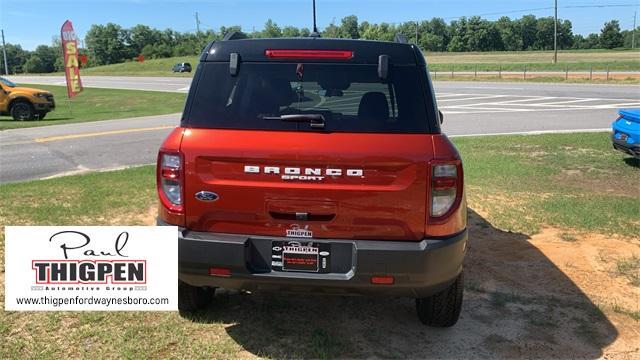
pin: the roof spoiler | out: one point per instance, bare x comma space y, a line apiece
400, 38
234, 35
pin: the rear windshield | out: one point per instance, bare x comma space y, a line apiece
350, 98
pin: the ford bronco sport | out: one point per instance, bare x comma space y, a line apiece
315, 165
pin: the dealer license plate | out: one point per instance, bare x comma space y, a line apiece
300, 256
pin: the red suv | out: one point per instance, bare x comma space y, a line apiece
315, 165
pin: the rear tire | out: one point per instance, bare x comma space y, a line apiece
22, 110
443, 308
191, 298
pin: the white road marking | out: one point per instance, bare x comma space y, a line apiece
84, 170
616, 105
539, 132
447, 95
476, 98
570, 101
541, 98
492, 88
526, 103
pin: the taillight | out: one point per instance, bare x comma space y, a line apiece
170, 180
309, 54
446, 188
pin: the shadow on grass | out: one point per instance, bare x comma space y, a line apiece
517, 303
46, 120
632, 161
54, 119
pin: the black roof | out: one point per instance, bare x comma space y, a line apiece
365, 51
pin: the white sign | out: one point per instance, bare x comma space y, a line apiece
104, 268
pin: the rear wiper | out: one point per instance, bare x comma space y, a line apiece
316, 121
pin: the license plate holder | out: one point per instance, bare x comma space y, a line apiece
300, 256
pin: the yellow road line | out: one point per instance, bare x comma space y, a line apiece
102, 133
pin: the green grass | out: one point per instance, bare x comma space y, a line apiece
446, 76
576, 60
100, 104
92, 199
151, 67
572, 181
613, 65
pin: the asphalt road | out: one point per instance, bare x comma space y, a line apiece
172, 84
471, 108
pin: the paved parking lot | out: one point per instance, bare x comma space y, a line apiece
476, 103
470, 108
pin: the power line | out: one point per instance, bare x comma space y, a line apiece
504, 12
597, 6
546, 8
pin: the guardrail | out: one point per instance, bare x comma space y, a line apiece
479, 71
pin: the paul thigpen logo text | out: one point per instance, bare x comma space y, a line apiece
103, 267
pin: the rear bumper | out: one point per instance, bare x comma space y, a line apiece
419, 268
620, 145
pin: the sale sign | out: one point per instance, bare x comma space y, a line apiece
71, 64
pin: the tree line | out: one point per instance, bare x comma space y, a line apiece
111, 43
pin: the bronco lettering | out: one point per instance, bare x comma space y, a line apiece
296, 173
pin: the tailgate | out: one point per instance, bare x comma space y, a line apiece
324, 185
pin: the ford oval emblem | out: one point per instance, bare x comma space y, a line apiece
206, 196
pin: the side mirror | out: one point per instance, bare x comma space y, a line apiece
441, 115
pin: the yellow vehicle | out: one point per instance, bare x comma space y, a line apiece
24, 103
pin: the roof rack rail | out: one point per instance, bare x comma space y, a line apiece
234, 35
400, 38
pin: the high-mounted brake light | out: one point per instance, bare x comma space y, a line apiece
170, 180
309, 54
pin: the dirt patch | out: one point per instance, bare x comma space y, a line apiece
557, 294
146, 218
534, 297
578, 178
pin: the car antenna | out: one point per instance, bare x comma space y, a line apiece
315, 32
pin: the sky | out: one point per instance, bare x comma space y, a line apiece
33, 22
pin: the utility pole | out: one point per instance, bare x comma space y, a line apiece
633, 34
417, 33
197, 23
4, 53
555, 33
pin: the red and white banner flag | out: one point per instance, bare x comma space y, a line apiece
71, 64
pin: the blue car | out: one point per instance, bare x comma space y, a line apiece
626, 132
